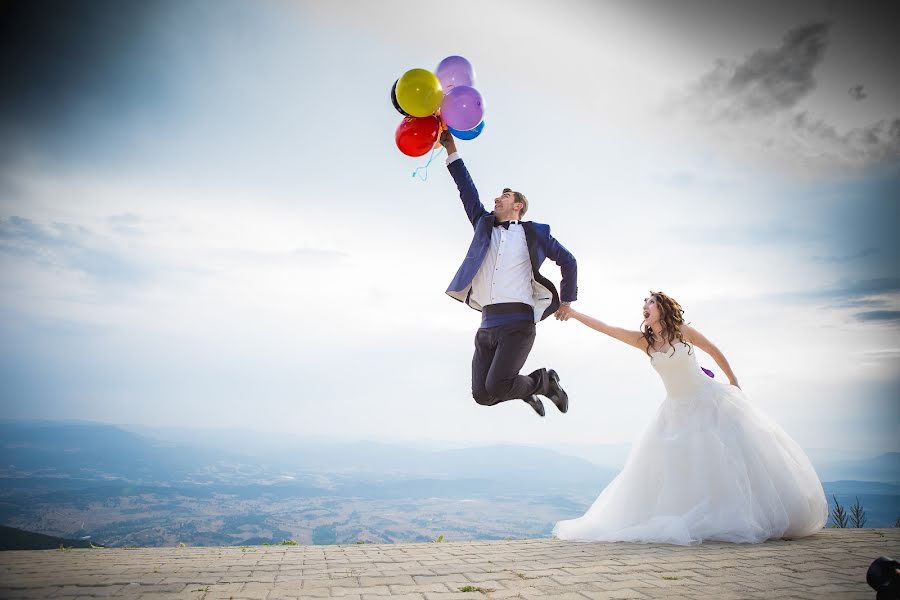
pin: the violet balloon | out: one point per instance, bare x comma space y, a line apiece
454, 71
462, 108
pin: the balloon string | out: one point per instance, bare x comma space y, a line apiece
424, 168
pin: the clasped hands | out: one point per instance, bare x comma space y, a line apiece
564, 312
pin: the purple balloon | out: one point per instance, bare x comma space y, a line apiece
462, 108
454, 71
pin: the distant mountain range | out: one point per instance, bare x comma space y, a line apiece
155, 487
80, 449
83, 450
884, 467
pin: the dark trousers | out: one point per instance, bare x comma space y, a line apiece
499, 354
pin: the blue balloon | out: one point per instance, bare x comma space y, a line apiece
469, 134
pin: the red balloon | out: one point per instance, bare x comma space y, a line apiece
416, 135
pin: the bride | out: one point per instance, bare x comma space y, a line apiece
711, 465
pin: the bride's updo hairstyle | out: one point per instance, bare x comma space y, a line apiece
672, 318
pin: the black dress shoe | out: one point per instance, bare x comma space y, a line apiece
558, 395
535, 403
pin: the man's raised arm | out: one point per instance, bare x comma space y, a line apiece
467, 191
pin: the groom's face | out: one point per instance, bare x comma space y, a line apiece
505, 205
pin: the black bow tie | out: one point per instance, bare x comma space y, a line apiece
503, 224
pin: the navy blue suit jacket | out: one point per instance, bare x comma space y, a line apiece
541, 245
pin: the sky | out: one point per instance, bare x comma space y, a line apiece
205, 221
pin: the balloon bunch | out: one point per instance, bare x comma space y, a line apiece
431, 102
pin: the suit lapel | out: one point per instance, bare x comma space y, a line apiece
531, 239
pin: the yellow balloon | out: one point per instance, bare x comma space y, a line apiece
419, 92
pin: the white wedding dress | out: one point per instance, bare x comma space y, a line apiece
710, 466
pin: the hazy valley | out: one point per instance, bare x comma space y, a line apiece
118, 487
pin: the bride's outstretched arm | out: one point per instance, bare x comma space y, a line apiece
632, 338
701, 341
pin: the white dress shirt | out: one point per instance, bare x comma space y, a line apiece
505, 275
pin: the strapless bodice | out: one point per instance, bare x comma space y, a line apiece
680, 371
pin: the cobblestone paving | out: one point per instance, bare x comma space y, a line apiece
830, 564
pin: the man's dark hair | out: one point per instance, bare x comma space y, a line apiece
520, 197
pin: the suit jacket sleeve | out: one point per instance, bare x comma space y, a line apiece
467, 191
568, 266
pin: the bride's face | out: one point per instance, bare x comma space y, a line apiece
651, 311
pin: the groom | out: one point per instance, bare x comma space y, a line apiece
500, 278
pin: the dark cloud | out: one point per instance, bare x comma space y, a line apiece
865, 287
891, 316
766, 82
854, 294
766, 87
878, 143
845, 258
857, 92
873, 294
864, 303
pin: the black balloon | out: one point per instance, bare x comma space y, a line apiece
394, 100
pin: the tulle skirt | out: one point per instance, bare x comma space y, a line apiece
708, 467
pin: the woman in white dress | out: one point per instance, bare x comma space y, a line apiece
710, 465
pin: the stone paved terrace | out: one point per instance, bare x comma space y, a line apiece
830, 564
